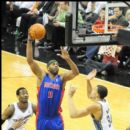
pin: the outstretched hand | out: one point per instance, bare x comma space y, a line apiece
72, 91
64, 53
92, 74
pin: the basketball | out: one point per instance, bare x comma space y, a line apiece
37, 31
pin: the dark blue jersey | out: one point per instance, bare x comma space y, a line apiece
50, 96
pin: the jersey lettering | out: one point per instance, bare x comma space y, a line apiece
106, 121
109, 119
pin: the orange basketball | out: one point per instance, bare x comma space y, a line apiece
37, 31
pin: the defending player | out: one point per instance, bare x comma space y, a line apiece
99, 110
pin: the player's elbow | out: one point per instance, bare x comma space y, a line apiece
76, 73
73, 114
29, 61
89, 96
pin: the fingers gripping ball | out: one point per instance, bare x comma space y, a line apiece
37, 31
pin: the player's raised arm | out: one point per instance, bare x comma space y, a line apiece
79, 112
33, 65
74, 69
89, 77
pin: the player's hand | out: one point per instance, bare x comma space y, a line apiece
72, 91
92, 74
18, 124
64, 53
29, 37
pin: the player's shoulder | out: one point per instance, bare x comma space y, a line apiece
41, 79
95, 106
8, 112
11, 108
45, 75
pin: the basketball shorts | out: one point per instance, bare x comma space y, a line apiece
54, 123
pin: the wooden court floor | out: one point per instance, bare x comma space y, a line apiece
16, 73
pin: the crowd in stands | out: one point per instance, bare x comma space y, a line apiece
21, 15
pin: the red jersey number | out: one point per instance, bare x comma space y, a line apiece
50, 94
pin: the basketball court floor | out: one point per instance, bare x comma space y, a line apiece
16, 73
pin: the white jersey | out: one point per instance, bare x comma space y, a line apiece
106, 121
18, 114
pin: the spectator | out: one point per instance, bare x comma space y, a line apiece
128, 17
110, 53
58, 33
32, 17
101, 19
109, 60
58, 23
94, 9
15, 10
124, 56
92, 50
82, 7
118, 18
18, 8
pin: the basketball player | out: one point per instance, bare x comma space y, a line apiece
51, 89
99, 110
17, 114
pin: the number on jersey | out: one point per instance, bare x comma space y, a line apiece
50, 94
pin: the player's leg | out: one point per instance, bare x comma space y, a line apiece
41, 124
57, 123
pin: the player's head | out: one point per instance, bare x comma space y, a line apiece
53, 67
22, 94
100, 92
